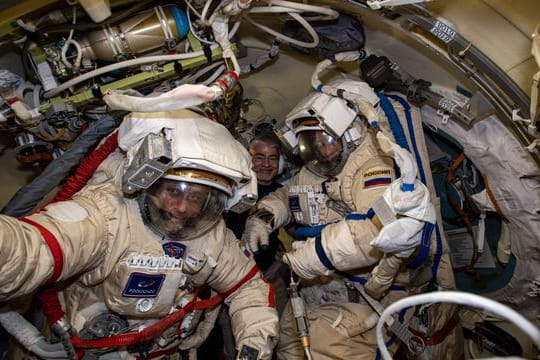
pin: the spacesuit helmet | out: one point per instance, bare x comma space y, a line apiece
185, 203
322, 153
328, 128
185, 170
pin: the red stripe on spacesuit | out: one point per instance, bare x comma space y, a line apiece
271, 293
53, 245
254, 270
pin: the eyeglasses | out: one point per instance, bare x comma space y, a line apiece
261, 159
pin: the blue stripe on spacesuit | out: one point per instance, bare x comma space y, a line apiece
322, 255
323, 258
393, 120
407, 108
304, 232
422, 255
359, 216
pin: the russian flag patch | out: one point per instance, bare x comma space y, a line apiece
377, 177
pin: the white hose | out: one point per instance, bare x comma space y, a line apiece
364, 106
29, 336
295, 6
455, 297
193, 78
214, 76
279, 35
132, 62
69, 41
291, 8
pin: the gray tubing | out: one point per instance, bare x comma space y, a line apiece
29, 336
27, 197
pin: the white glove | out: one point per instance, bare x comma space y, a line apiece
415, 204
256, 232
399, 237
304, 260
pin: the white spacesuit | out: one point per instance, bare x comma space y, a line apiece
127, 265
346, 173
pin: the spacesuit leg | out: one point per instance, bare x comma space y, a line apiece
336, 331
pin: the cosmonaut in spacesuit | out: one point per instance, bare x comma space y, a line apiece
361, 223
126, 265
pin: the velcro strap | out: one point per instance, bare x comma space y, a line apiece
54, 247
359, 216
303, 232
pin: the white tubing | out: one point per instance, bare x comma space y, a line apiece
193, 78
278, 35
295, 6
455, 297
29, 336
364, 106
132, 62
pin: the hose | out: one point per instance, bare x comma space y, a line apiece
29, 336
455, 297
120, 65
26, 199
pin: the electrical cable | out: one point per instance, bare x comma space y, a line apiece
455, 297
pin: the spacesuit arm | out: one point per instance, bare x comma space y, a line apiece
250, 299
345, 245
277, 204
272, 212
65, 239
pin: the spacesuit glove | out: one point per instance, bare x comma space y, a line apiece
415, 204
256, 232
304, 260
400, 237
382, 277
203, 330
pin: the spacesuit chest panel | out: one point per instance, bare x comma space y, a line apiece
149, 275
307, 201
146, 280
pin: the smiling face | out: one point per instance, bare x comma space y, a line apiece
181, 210
265, 161
180, 201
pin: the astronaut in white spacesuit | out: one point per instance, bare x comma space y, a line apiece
346, 171
127, 265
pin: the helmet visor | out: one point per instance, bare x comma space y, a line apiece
181, 210
320, 152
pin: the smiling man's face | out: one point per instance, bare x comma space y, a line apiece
265, 160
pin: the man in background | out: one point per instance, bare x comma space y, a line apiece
265, 151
